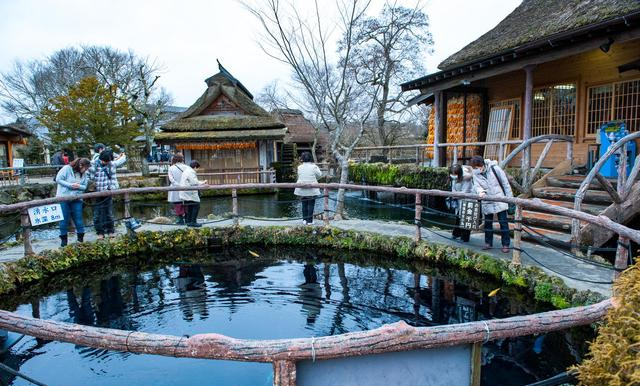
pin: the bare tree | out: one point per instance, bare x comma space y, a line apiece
329, 87
389, 49
27, 89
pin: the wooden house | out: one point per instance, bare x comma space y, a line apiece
225, 130
550, 67
10, 136
301, 133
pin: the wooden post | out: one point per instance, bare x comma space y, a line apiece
526, 133
622, 253
26, 232
501, 152
284, 373
234, 199
417, 155
476, 363
127, 206
517, 237
325, 217
437, 128
455, 154
569, 150
418, 217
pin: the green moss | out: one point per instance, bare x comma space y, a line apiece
146, 245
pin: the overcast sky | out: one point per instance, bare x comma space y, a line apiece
187, 36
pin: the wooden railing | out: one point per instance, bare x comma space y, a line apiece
285, 353
521, 203
619, 195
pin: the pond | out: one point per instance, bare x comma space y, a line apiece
282, 204
283, 293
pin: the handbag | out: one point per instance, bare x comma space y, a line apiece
512, 208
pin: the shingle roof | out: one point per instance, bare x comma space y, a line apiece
535, 20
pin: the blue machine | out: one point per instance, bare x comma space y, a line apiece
610, 133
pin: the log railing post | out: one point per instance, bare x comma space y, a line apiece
622, 252
234, 203
127, 206
26, 232
516, 258
455, 154
570, 150
501, 152
417, 155
284, 373
418, 217
325, 216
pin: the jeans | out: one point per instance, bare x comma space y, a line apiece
191, 208
504, 228
308, 205
103, 216
71, 210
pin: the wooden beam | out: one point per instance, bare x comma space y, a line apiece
543, 155
526, 132
284, 373
394, 337
609, 188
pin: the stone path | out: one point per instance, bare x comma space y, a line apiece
553, 262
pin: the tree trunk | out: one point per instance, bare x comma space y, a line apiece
144, 165
344, 178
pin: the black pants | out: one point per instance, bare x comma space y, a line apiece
504, 228
308, 204
191, 208
103, 216
464, 234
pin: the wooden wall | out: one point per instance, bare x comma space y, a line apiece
585, 70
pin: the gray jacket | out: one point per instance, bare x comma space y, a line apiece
486, 182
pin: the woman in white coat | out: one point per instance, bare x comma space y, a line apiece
489, 180
191, 198
308, 173
174, 174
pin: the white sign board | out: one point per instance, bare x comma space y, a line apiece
18, 163
45, 214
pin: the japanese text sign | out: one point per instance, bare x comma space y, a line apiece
45, 214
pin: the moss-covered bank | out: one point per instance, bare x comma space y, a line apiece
148, 245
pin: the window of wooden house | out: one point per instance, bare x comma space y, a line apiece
554, 110
612, 102
515, 123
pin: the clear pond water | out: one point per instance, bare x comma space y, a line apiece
285, 293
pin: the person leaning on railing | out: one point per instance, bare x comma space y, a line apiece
72, 180
103, 173
489, 180
462, 182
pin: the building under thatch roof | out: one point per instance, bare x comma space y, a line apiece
540, 21
224, 129
550, 67
300, 131
11, 135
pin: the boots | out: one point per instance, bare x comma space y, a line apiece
80, 237
63, 240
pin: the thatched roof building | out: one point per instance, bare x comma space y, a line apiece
225, 111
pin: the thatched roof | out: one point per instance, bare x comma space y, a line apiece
300, 129
15, 129
198, 121
536, 20
221, 135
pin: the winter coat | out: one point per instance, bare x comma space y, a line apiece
308, 173
189, 178
175, 176
65, 179
487, 183
466, 184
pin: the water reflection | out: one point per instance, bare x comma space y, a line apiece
284, 293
